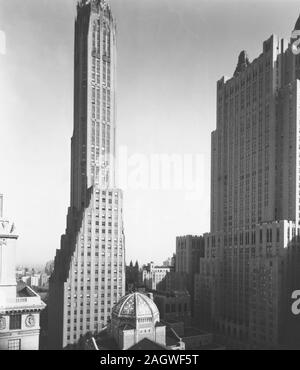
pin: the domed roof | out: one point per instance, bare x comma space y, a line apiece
136, 305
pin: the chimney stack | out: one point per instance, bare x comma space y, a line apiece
1, 206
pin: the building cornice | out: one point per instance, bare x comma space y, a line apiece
15, 310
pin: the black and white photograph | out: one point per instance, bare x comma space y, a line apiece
149, 178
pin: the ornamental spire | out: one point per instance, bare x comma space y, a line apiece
243, 63
96, 2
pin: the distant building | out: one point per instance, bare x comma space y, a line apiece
44, 281
26, 279
170, 261
20, 306
35, 280
20, 272
154, 277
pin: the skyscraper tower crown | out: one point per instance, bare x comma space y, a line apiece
6, 227
101, 3
243, 63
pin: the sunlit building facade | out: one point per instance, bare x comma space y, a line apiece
89, 273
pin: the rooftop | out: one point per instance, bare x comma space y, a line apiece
105, 341
172, 339
24, 291
147, 345
192, 332
25, 299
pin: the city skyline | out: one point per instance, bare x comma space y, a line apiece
183, 158
163, 211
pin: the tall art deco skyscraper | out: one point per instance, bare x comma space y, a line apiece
252, 258
89, 273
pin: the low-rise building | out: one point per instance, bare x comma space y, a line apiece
20, 306
154, 277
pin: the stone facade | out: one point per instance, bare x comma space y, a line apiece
20, 306
89, 273
255, 198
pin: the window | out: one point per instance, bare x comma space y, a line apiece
15, 322
14, 345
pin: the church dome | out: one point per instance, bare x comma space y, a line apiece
136, 306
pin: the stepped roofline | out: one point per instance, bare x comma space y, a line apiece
297, 25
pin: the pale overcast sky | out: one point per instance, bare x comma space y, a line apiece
170, 55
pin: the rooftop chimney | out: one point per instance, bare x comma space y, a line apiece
1, 206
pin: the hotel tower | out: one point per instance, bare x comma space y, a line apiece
251, 263
89, 274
